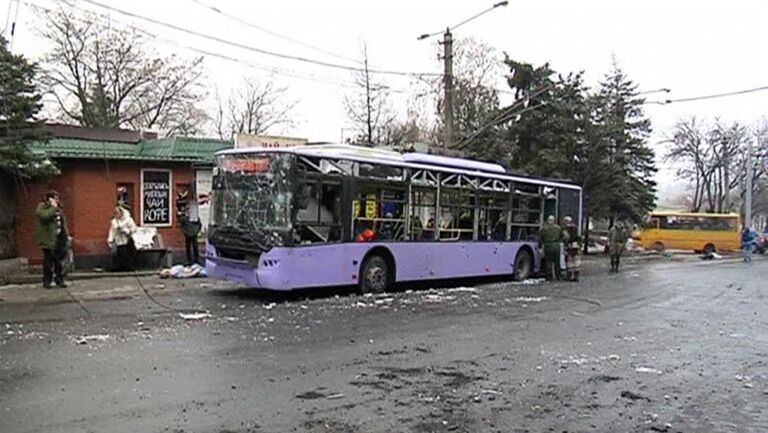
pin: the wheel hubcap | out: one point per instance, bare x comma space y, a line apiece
376, 279
522, 266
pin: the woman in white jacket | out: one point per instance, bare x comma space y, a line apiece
121, 229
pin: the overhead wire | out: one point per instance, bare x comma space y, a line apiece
271, 69
252, 48
712, 96
272, 32
505, 115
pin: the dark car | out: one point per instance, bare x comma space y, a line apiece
762, 243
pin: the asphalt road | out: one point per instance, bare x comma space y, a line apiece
663, 346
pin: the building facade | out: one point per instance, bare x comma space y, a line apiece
100, 168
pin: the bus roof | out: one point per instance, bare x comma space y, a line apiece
408, 160
694, 214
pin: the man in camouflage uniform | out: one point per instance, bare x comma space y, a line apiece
573, 249
617, 242
52, 236
552, 237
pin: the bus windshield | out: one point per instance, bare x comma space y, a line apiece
252, 199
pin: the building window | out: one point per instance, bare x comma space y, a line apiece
183, 202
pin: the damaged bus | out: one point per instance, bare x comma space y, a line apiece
339, 215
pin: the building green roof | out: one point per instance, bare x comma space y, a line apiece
179, 149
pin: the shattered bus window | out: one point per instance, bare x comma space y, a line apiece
252, 196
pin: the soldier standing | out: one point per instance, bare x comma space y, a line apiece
617, 241
52, 236
552, 237
573, 249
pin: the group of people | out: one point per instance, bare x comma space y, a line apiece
52, 235
556, 239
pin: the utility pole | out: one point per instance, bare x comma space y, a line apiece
748, 192
448, 71
448, 88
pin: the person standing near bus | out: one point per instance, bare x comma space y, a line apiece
617, 242
573, 249
748, 238
552, 237
52, 235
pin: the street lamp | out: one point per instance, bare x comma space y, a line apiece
448, 69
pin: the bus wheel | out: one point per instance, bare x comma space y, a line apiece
658, 247
709, 249
374, 276
523, 265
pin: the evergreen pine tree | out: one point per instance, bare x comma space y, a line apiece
622, 125
19, 124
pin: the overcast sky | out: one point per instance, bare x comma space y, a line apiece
692, 47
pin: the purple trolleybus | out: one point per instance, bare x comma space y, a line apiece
334, 215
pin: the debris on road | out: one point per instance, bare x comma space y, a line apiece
194, 316
648, 370
85, 339
633, 396
463, 289
531, 299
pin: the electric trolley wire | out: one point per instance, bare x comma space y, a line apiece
271, 69
252, 48
712, 96
273, 33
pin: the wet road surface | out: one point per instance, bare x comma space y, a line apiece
674, 347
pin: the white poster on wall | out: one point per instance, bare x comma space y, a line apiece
203, 188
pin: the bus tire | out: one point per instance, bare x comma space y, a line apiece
658, 247
523, 265
709, 249
374, 275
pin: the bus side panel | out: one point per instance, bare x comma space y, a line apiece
339, 264
691, 239
432, 260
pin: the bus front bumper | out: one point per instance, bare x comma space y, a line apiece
244, 273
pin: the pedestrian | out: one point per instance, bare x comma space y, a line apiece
748, 238
573, 249
552, 237
190, 228
617, 242
52, 236
120, 238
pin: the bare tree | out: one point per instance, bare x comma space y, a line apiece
712, 158
368, 109
107, 77
477, 67
253, 108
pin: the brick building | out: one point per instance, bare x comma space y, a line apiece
97, 166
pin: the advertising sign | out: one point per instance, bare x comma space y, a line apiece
156, 198
268, 141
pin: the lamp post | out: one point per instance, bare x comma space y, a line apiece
448, 71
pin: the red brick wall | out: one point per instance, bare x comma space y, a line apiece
88, 191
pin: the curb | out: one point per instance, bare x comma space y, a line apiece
36, 278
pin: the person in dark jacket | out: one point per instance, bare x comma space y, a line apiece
191, 228
52, 236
